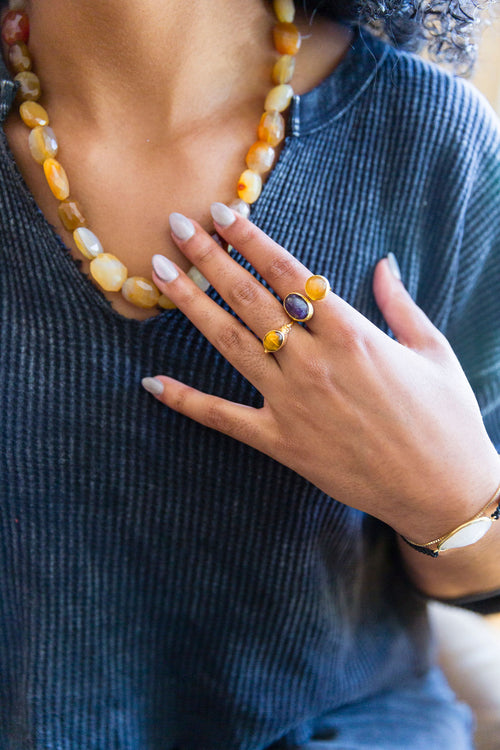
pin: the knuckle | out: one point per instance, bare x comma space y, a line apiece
243, 292
205, 252
350, 341
317, 372
247, 235
215, 418
180, 398
280, 269
187, 296
228, 338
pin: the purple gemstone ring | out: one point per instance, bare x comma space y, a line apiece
298, 307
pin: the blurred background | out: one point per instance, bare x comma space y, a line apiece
487, 76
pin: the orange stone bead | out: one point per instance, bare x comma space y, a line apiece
271, 128
57, 178
166, 303
249, 186
279, 98
283, 69
15, 27
140, 292
33, 114
109, 272
286, 38
317, 287
71, 216
30, 89
42, 143
19, 57
260, 157
284, 10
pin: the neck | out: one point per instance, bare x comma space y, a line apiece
163, 62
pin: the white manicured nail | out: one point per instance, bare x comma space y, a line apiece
394, 266
181, 227
152, 385
164, 268
222, 215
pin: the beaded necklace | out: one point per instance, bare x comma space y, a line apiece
106, 269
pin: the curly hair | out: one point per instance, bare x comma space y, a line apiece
449, 29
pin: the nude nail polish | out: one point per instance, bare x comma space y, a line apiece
164, 268
222, 215
181, 226
152, 385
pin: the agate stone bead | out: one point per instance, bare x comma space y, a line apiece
109, 272
279, 98
29, 86
272, 128
42, 143
57, 178
286, 38
260, 157
249, 186
33, 114
283, 69
15, 27
88, 244
19, 57
140, 292
71, 216
284, 10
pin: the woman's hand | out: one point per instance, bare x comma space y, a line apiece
389, 427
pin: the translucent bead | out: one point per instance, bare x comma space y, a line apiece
42, 143
88, 244
140, 292
271, 128
19, 57
17, 4
283, 69
317, 287
71, 215
286, 38
109, 272
15, 27
249, 186
279, 98
198, 278
33, 114
166, 303
260, 157
29, 89
284, 10
57, 178
241, 208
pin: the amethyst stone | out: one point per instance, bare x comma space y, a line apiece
298, 307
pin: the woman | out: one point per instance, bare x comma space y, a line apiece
230, 571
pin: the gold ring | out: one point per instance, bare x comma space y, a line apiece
298, 306
274, 340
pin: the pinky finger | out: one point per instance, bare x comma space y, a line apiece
244, 423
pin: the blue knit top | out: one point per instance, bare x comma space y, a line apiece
162, 585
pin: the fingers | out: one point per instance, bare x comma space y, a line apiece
407, 320
241, 422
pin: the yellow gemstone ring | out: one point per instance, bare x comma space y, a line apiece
317, 287
274, 340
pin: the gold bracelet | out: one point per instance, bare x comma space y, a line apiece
467, 533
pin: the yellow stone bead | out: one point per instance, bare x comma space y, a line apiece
284, 10
260, 157
273, 341
71, 215
30, 89
249, 186
271, 128
109, 272
19, 57
140, 292
283, 69
166, 303
87, 243
287, 38
317, 287
33, 114
279, 98
57, 178
42, 143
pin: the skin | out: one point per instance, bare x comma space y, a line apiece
420, 460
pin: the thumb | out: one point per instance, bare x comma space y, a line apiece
408, 322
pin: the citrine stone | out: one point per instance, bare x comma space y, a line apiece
140, 292
166, 303
260, 157
71, 215
33, 114
19, 57
29, 86
279, 98
317, 287
273, 341
42, 143
15, 27
298, 307
271, 128
284, 10
286, 38
57, 178
249, 186
109, 272
87, 243
283, 69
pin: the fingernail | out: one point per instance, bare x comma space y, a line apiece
181, 227
394, 266
164, 268
152, 385
222, 215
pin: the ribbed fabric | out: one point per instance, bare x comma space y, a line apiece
163, 586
